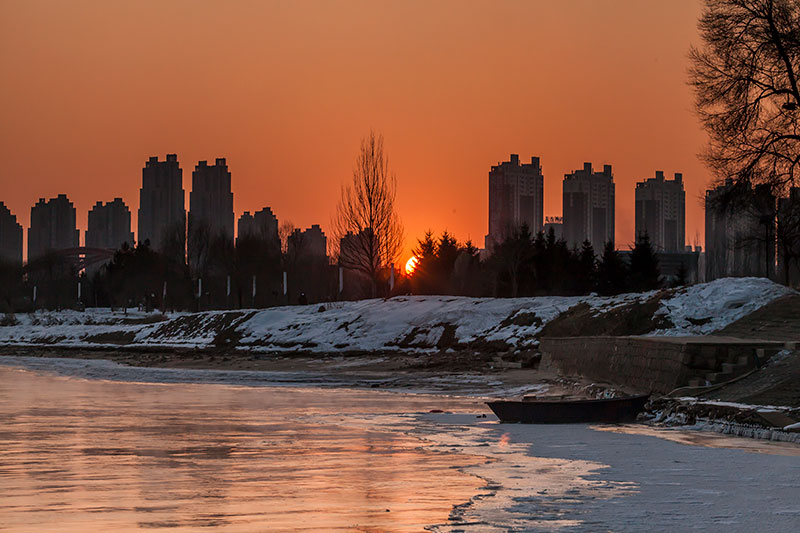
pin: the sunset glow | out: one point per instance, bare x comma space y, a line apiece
286, 90
411, 264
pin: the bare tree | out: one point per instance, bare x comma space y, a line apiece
367, 225
746, 82
285, 231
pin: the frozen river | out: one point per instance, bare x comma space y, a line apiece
130, 453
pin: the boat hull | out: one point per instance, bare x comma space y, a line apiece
609, 411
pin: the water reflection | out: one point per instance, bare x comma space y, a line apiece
78, 455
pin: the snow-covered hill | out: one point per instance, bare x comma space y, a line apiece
407, 323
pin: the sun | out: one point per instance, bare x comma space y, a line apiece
411, 264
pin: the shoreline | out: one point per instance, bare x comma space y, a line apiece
459, 373
449, 374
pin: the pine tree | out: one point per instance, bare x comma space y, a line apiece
611, 272
423, 276
586, 269
447, 251
644, 272
513, 259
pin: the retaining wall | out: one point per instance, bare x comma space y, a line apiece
645, 364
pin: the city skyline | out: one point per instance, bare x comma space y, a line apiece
284, 118
166, 176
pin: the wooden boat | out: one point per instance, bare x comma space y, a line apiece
569, 411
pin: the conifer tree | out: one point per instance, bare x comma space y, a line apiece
611, 272
424, 273
513, 258
586, 269
447, 251
644, 272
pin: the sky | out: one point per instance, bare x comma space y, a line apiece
286, 90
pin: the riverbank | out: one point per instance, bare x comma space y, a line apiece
426, 373
403, 324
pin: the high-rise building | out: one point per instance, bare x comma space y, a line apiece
162, 216
516, 197
10, 237
109, 225
789, 238
556, 224
309, 243
740, 231
588, 207
661, 212
211, 200
262, 224
52, 227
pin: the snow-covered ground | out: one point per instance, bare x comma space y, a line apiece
407, 323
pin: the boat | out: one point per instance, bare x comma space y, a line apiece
569, 411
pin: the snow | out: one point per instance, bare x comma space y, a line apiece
405, 323
708, 307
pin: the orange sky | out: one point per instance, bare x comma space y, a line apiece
286, 90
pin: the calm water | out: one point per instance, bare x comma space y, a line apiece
79, 455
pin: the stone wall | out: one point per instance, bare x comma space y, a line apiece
646, 364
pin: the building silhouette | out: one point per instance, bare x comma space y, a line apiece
10, 237
211, 202
52, 227
109, 225
556, 224
516, 197
588, 207
311, 243
162, 216
262, 225
740, 231
661, 212
789, 238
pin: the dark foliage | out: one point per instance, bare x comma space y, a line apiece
644, 273
612, 272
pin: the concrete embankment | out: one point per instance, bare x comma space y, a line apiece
655, 364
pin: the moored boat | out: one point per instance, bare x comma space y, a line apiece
569, 411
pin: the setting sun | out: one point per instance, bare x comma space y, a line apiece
411, 264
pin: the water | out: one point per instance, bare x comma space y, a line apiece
79, 455
115, 454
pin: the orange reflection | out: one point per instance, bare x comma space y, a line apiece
83, 455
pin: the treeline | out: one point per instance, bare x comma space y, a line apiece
249, 273
528, 265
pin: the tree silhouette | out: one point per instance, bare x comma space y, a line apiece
745, 79
513, 258
424, 276
611, 272
644, 272
366, 210
586, 269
